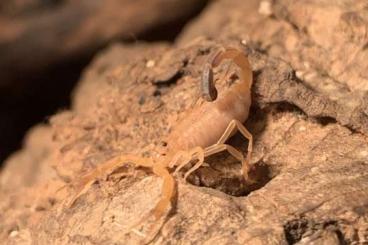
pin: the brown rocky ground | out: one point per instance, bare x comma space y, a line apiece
309, 120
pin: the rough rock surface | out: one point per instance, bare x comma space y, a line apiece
309, 121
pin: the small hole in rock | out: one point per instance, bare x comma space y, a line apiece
294, 230
223, 172
157, 93
326, 120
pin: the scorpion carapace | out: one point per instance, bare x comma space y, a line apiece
202, 133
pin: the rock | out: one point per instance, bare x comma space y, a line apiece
310, 147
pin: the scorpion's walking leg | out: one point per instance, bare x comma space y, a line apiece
230, 130
221, 146
213, 149
195, 153
199, 153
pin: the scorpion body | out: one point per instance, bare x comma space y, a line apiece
203, 132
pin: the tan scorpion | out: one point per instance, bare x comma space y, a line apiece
202, 133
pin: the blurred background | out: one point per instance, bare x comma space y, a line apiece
46, 44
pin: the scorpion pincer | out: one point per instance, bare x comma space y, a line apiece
202, 133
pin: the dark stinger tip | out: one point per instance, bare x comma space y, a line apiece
208, 89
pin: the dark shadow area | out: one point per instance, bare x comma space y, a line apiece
224, 174
45, 94
296, 229
49, 91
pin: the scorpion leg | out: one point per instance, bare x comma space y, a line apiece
181, 156
234, 152
224, 147
230, 130
199, 153
221, 146
195, 153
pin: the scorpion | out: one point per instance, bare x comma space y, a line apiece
202, 133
